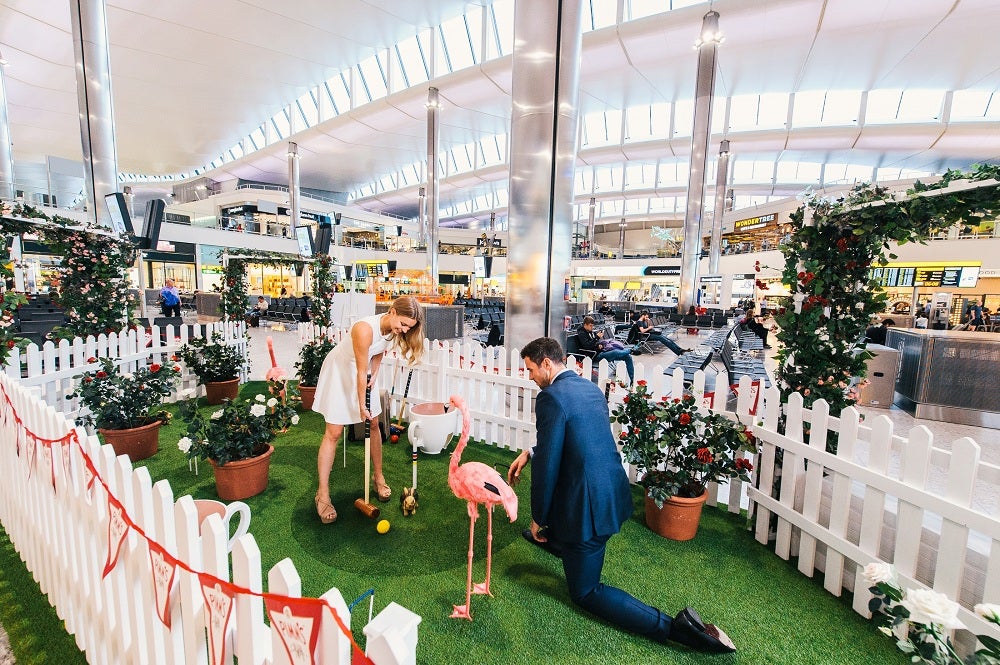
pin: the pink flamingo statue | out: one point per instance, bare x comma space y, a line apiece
477, 483
275, 374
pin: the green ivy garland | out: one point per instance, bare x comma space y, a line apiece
323, 284
94, 290
827, 262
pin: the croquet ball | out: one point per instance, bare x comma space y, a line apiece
394, 438
382, 526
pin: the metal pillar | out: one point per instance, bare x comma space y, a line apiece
294, 195
6, 149
721, 176
621, 239
433, 127
422, 218
544, 113
707, 46
97, 119
590, 227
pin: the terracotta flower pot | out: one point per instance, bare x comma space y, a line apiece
242, 479
138, 443
217, 391
308, 394
679, 517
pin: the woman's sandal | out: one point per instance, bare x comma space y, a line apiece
327, 513
382, 490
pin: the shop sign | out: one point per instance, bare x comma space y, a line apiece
660, 271
232, 211
711, 279
754, 222
212, 270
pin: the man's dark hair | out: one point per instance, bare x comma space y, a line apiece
644, 312
888, 322
586, 320
541, 348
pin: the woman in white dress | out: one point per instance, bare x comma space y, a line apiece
343, 379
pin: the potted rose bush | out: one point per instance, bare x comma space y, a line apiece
678, 450
236, 440
311, 357
121, 405
216, 364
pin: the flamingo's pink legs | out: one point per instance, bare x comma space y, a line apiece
464, 611
484, 588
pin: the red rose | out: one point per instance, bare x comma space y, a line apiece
743, 464
623, 435
177, 368
174, 357
101, 374
640, 382
685, 419
636, 430
705, 456
676, 400
625, 399
154, 368
842, 244
651, 418
91, 359
88, 379
11, 344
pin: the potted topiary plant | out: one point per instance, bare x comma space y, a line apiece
236, 440
678, 450
311, 357
216, 364
121, 405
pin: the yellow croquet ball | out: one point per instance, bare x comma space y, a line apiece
382, 526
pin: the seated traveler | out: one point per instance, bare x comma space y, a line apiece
589, 340
876, 334
755, 326
253, 316
644, 326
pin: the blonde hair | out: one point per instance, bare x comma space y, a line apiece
412, 341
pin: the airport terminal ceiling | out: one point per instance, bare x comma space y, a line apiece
219, 88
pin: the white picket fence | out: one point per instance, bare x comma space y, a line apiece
932, 513
59, 504
54, 369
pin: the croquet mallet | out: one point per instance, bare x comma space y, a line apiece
367, 508
398, 427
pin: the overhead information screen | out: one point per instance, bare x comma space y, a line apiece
949, 274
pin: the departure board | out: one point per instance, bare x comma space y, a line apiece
929, 275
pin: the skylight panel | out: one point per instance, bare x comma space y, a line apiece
340, 92
841, 107
607, 178
683, 117
458, 47
503, 23
280, 122
641, 8
883, 106
371, 78
474, 27
970, 104
411, 61
638, 123
603, 13
918, 105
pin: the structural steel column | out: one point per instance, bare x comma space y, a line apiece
422, 218
704, 93
590, 226
545, 71
621, 239
294, 195
97, 118
721, 176
6, 149
433, 181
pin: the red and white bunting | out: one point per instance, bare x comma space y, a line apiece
118, 526
30, 444
707, 399
89, 476
48, 462
219, 600
297, 621
164, 568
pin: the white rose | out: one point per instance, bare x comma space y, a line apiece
989, 611
879, 572
128, 376
259, 398
931, 608
272, 402
295, 419
258, 410
217, 415
184, 444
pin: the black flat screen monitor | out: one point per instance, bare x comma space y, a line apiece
303, 235
324, 234
151, 221
121, 221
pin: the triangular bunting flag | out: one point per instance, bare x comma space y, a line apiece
164, 567
89, 476
118, 525
30, 445
66, 450
708, 399
19, 437
48, 462
219, 599
297, 621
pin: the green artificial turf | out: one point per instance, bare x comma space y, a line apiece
773, 613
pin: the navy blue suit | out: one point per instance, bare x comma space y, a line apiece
580, 493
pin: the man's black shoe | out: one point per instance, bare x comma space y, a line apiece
688, 629
547, 545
